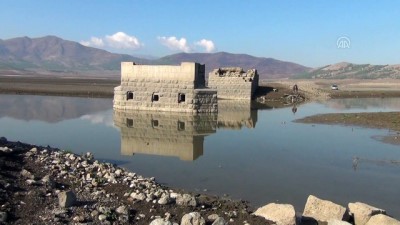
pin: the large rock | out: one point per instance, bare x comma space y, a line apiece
186, 200
323, 210
66, 199
193, 218
281, 214
363, 212
160, 221
381, 219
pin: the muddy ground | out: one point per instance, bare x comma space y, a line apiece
58, 86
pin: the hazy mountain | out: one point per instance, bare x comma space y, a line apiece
266, 67
349, 70
55, 56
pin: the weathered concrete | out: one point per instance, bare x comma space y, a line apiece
363, 212
164, 88
381, 219
281, 214
233, 82
323, 210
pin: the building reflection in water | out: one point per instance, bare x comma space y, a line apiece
178, 134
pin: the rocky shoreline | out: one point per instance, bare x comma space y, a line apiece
45, 185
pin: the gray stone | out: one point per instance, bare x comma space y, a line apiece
139, 196
193, 218
160, 221
3, 217
66, 199
94, 213
381, 219
25, 173
363, 212
32, 182
48, 181
186, 200
5, 149
58, 212
281, 214
213, 217
79, 219
164, 200
220, 221
323, 210
122, 210
102, 217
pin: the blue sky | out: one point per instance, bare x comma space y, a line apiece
304, 32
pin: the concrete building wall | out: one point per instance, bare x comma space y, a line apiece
233, 82
167, 134
164, 88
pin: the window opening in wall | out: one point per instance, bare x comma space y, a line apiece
154, 123
129, 95
129, 122
155, 97
181, 97
181, 125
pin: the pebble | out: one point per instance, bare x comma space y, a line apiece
102, 217
122, 210
94, 213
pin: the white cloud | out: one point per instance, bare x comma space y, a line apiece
123, 41
94, 42
175, 44
208, 45
119, 40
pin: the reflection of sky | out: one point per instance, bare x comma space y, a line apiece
278, 160
105, 117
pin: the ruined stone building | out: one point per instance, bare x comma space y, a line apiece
233, 82
179, 135
164, 88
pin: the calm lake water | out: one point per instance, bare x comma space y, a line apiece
260, 156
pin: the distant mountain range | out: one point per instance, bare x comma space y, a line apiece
54, 56
356, 71
51, 55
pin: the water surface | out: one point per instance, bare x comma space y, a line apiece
259, 156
